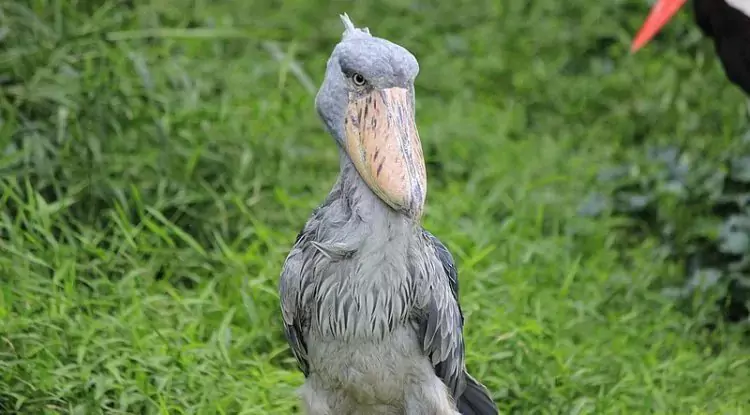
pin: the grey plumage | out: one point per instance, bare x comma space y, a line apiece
368, 297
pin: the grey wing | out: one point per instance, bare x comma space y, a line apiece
440, 319
296, 317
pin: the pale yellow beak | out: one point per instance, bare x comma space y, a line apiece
383, 143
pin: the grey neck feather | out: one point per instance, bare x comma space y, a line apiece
371, 251
367, 205
354, 220
385, 245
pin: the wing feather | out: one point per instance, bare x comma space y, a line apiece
440, 319
296, 318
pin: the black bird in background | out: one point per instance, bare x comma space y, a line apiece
726, 22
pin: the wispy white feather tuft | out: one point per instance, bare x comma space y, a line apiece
348, 25
349, 29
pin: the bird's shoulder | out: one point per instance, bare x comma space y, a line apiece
295, 280
307, 251
306, 235
445, 258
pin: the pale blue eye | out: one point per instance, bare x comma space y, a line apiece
358, 79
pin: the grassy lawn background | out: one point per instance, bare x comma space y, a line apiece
158, 159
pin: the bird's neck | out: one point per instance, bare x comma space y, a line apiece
353, 219
365, 203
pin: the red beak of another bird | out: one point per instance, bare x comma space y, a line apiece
660, 14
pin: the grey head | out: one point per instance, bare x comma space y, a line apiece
366, 102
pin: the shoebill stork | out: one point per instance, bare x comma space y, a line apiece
727, 22
368, 297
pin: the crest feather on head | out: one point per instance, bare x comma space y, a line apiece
350, 30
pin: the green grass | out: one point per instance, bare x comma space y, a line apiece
158, 160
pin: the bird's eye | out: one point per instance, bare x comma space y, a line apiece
358, 79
